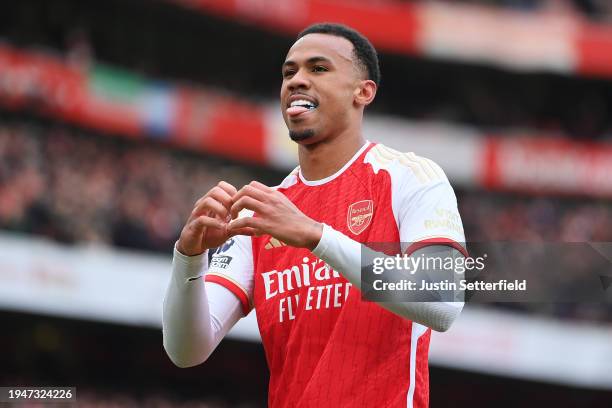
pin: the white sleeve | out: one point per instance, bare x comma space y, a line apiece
426, 208
198, 314
427, 212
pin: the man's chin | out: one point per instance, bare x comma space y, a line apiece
301, 135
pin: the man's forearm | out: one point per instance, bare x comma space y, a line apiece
196, 315
344, 255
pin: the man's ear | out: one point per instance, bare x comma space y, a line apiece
365, 93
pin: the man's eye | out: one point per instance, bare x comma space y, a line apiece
319, 68
287, 74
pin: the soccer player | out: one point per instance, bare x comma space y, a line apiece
293, 252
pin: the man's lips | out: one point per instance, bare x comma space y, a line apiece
294, 111
299, 104
301, 96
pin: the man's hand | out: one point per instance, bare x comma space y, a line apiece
207, 226
276, 216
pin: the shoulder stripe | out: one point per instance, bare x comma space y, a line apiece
425, 170
436, 171
423, 165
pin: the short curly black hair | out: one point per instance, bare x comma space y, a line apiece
367, 58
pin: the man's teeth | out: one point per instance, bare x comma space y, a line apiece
304, 103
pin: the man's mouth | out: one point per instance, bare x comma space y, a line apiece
300, 106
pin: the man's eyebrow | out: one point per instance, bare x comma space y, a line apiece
310, 60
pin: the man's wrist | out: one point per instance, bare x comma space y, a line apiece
186, 257
184, 252
314, 236
186, 268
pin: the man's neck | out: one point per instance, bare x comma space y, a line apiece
325, 158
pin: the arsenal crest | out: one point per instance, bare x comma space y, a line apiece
359, 216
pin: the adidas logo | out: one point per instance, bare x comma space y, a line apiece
274, 243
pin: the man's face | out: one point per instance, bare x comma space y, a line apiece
319, 84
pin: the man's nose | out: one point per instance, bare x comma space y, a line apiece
298, 81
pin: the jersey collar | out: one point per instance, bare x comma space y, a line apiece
336, 174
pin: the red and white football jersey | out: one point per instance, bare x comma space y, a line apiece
325, 346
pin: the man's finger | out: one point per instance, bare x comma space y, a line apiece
222, 196
246, 202
246, 222
210, 204
198, 225
250, 191
228, 188
262, 187
248, 231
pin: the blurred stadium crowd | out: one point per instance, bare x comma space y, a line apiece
74, 187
